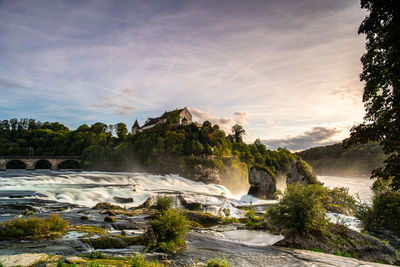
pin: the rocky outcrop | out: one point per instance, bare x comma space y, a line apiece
263, 182
28, 259
206, 175
301, 172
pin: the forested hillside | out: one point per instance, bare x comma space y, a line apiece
359, 159
203, 152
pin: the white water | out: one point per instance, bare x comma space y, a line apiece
89, 188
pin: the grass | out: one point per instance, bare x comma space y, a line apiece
138, 260
33, 228
216, 262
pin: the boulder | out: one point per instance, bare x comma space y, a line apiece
123, 200
301, 172
206, 175
110, 219
262, 181
28, 259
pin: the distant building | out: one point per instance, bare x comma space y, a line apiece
135, 127
185, 118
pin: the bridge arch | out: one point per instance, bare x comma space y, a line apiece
42, 164
15, 164
69, 164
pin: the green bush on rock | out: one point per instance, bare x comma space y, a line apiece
33, 228
170, 228
300, 210
163, 203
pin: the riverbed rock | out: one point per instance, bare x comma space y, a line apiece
123, 200
75, 260
262, 181
206, 175
28, 259
301, 172
110, 219
147, 204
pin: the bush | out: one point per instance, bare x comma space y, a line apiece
138, 260
170, 229
384, 212
300, 210
218, 263
33, 228
340, 201
163, 203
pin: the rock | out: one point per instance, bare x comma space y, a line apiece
19, 206
204, 219
106, 206
84, 217
262, 181
146, 204
301, 172
206, 175
150, 236
110, 219
123, 200
75, 260
190, 205
28, 259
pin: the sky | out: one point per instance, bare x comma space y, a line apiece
288, 70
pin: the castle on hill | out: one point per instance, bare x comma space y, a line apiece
185, 118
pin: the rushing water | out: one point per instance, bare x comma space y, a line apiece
88, 188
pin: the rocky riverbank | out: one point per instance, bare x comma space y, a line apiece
210, 236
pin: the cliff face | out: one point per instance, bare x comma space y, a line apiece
263, 183
301, 172
206, 175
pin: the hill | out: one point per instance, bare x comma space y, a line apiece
335, 160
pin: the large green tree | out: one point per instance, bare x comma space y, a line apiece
381, 74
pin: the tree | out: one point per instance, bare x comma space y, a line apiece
121, 131
381, 72
238, 132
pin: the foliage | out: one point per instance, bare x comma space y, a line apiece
384, 212
163, 203
252, 218
33, 228
300, 210
166, 148
170, 228
138, 260
358, 159
340, 201
97, 255
216, 262
381, 72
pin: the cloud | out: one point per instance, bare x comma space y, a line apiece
241, 117
225, 123
12, 85
118, 102
317, 136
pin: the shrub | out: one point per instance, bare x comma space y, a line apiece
163, 203
384, 212
300, 210
33, 228
138, 260
218, 263
340, 201
97, 255
170, 229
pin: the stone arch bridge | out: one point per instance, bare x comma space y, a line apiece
30, 161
